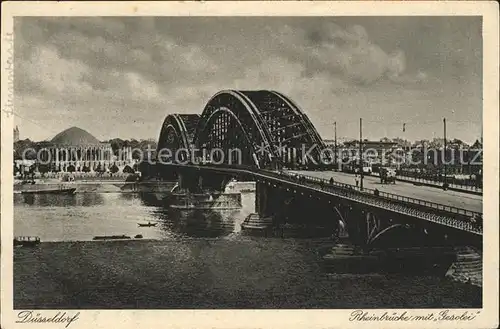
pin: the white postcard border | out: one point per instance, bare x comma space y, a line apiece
488, 316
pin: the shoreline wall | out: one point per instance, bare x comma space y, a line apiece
468, 268
100, 187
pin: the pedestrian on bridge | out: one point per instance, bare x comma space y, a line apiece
356, 179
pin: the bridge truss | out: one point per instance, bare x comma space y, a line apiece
263, 129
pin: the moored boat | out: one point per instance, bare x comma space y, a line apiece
111, 237
26, 241
149, 224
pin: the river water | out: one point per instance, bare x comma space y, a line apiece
82, 216
201, 258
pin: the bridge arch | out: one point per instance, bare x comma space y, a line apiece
229, 121
373, 239
176, 137
312, 133
266, 126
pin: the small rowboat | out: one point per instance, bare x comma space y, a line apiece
147, 224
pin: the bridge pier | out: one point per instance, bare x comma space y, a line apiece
187, 181
262, 200
196, 182
301, 213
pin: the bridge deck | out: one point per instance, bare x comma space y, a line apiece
432, 194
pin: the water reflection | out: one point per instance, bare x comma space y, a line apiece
83, 216
198, 223
59, 200
153, 199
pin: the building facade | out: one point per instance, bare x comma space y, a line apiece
76, 150
373, 151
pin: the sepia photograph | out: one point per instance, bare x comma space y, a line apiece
247, 162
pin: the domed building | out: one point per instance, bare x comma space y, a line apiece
75, 149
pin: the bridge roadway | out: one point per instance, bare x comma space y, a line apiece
456, 199
444, 214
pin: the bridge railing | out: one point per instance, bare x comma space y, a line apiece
422, 203
468, 220
466, 184
347, 189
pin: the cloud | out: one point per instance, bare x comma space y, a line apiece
317, 94
105, 46
141, 88
71, 63
45, 72
134, 71
286, 76
109, 55
346, 53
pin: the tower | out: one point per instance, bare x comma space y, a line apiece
16, 134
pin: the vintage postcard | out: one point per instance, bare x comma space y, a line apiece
249, 164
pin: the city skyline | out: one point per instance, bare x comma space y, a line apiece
119, 77
340, 139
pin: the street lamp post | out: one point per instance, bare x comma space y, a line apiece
444, 152
335, 145
361, 152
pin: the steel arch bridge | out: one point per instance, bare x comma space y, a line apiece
261, 129
176, 135
271, 131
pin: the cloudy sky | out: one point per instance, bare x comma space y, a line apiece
120, 77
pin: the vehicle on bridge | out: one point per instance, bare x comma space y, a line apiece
387, 175
353, 168
376, 167
367, 168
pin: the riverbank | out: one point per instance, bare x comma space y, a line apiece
213, 273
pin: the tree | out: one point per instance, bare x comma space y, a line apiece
423, 142
116, 144
458, 143
70, 168
132, 178
147, 147
43, 169
22, 145
86, 169
477, 145
99, 168
128, 170
29, 154
436, 143
399, 141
